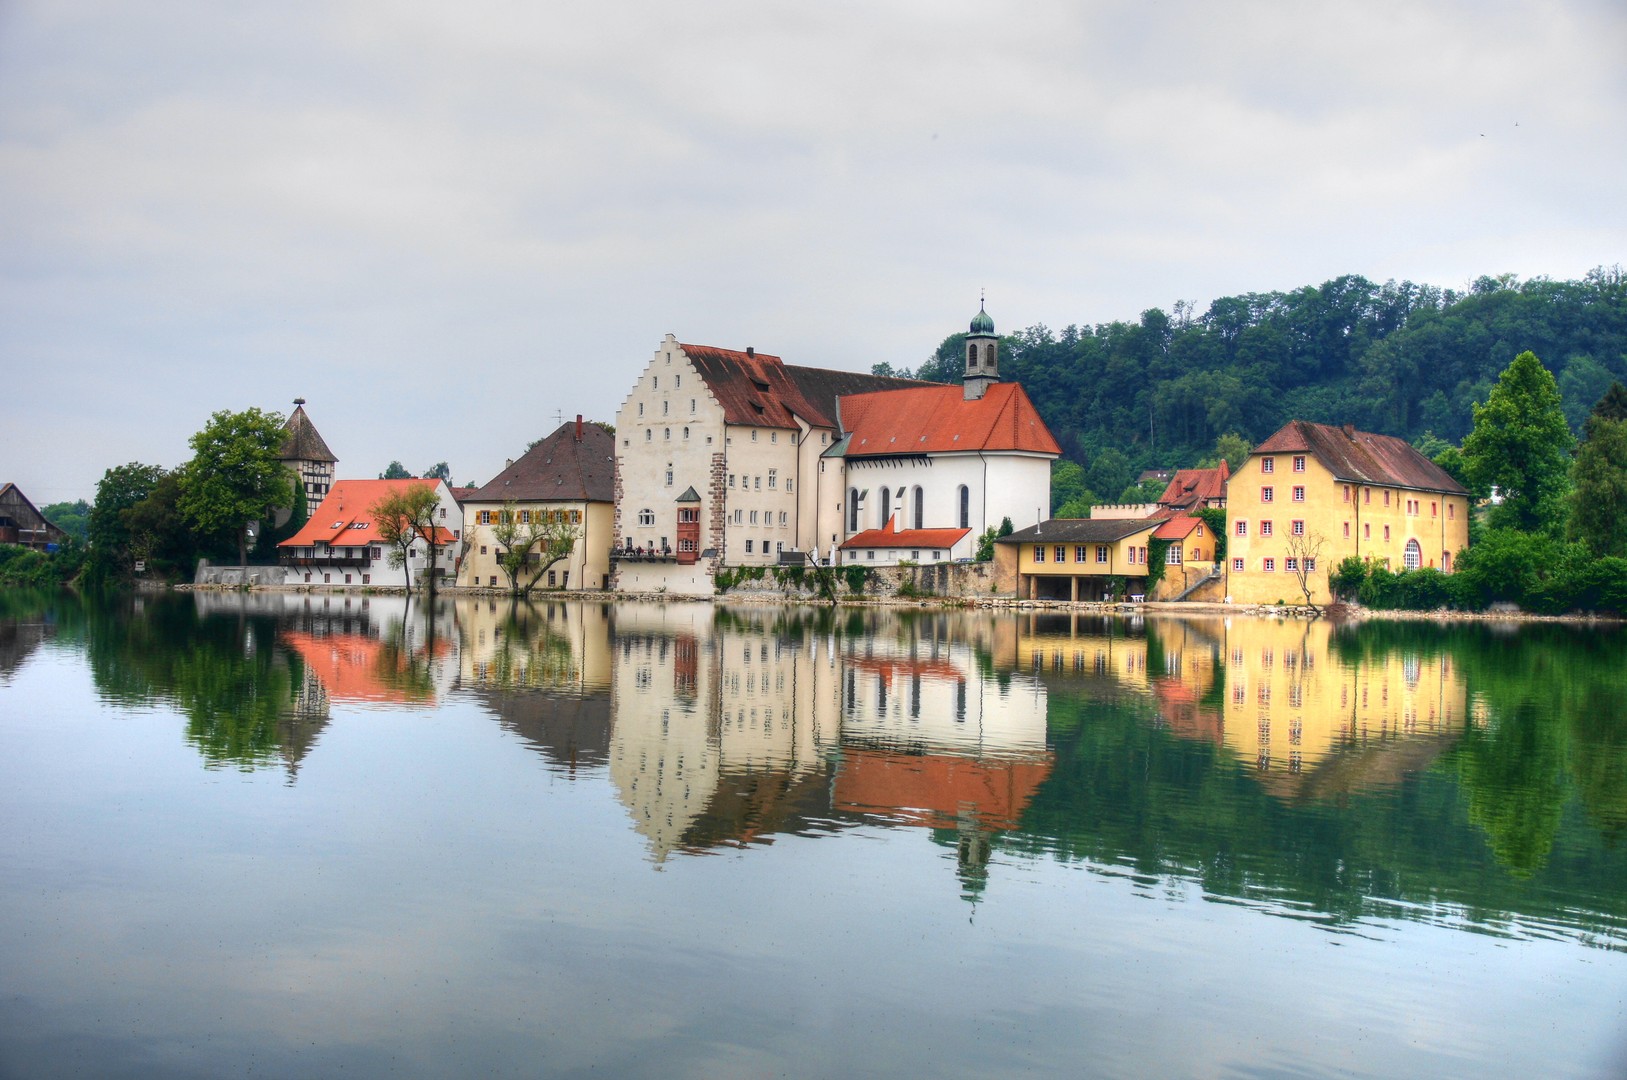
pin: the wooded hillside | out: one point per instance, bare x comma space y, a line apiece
1398, 359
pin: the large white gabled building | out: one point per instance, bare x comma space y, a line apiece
730, 459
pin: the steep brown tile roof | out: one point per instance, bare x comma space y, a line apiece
938, 419
1361, 456
1190, 488
760, 390
303, 442
558, 469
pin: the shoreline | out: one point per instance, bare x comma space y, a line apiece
1335, 612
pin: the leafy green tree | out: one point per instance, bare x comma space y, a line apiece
403, 518
158, 531
395, 471
985, 543
1598, 498
235, 475
120, 488
1067, 484
1521, 445
439, 471
72, 518
1144, 492
1233, 449
521, 533
1109, 470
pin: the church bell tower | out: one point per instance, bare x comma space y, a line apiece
982, 357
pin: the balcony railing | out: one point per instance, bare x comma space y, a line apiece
321, 561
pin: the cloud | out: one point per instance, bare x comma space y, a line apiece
443, 225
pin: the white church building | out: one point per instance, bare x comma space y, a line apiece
728, 459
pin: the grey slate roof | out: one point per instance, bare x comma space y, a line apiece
1080, 531
558, 469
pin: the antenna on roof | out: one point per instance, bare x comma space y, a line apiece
559, 417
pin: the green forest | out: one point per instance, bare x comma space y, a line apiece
1397, 359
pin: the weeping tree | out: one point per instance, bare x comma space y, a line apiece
520, 534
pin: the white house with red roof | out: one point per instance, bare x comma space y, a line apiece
339, 544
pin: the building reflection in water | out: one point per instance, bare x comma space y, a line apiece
1274, 693
732, 725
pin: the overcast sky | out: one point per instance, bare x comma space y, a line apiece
444, 224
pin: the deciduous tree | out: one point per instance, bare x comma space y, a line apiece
235, 475
1521, 445
1598, 498
548, 533
404, 517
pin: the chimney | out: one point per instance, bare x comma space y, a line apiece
751, 353
578, 427
509, 464
1350, 432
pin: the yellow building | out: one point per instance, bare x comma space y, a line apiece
1313, 494
1075, 558
568, 476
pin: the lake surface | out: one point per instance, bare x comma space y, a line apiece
283, 835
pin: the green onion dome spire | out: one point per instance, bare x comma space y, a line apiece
981, 323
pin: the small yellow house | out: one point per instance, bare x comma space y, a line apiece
1313, 494
568, 476
1074, 558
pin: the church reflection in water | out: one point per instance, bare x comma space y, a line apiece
722, 727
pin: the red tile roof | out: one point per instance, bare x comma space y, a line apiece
891, 536
345, 518
1194, 487
938, 419
938, 790
1176, 528
1361, 456
759, 390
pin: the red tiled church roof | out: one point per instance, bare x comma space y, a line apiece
1361, 456
938, 419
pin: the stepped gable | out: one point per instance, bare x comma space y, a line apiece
759, 390
1194, 487
937, 419
302, 441
1361, 456
561, 468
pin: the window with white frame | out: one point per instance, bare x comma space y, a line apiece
1297, 528
1269, 565
646, 517
1241, 528
1265, 528
1299, 493
1267, 494
773, 478
1299, 463
1268, 465
1237, 566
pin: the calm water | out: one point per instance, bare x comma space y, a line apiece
294, 836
